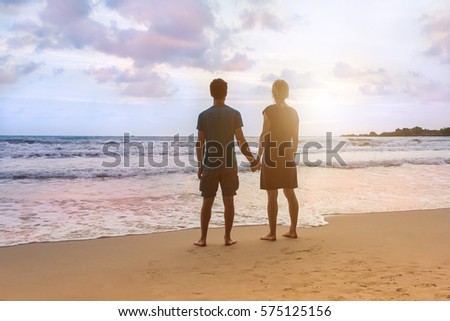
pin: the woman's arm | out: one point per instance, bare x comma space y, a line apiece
295, 139
294, 146
264, 132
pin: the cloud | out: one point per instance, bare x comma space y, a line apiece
179, 33
295, 79
239, 62
178, 19
148, 47
375, 81
67, 24
11, 72
139, 82
154, 86
344, 70
7, 77
175, 32
437, 31
375, 88
63, 13
270, 77
58, 71
4, 59
27, 68
104, 74
261, 18
427, 90
261, 15
299, 80
12, 6
13, 2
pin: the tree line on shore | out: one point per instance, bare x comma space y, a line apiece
415, 131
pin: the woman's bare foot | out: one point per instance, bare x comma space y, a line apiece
200, 243
268, 237
229, 242
290, 234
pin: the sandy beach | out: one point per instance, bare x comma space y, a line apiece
380, 256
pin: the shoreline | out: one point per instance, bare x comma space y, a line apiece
220, 227
385, 256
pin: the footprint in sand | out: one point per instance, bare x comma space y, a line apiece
428, 285
207, 273
288, 289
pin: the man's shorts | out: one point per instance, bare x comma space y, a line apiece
228, 180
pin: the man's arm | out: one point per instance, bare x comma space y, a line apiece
245, 149
199, 150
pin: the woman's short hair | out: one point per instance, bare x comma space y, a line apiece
218, 88
280, 89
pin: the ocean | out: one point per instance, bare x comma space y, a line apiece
56, 188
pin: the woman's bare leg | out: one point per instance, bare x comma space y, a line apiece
293, 212
272, 213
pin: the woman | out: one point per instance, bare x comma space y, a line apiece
279, 141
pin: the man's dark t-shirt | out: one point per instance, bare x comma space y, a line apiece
218, 124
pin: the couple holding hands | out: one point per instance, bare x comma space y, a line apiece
217, 128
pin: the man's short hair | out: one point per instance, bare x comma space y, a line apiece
218, 88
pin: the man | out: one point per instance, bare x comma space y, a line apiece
217, 126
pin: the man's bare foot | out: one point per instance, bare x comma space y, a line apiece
292, 235
230, 242
200, 243
268, 237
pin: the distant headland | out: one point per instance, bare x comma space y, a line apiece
416, 131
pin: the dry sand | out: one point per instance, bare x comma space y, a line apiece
383, 256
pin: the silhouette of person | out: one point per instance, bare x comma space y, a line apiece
278, 145
217, 127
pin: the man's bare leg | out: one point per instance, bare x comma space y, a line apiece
293, 212
228, 203
272, 213
205, 217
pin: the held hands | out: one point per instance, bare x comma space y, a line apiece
255, 165
200, 172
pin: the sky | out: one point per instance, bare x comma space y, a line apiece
109, 67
